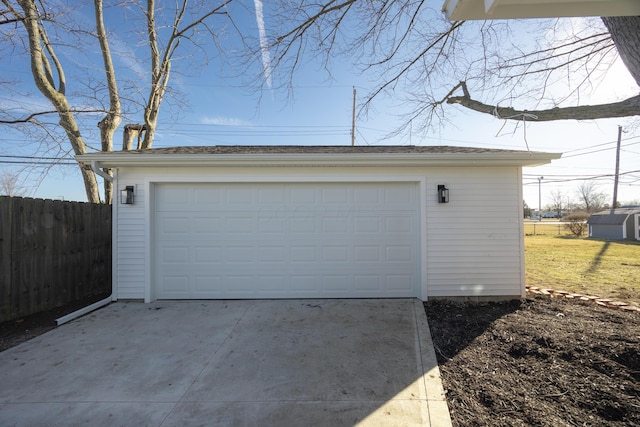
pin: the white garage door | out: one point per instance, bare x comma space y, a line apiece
286, 240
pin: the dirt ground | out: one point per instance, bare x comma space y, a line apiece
540, 362
17, 331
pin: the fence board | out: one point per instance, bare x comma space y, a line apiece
6, 223
51, 253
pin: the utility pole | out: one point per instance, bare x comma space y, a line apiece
353, 119
540, 178
615, 180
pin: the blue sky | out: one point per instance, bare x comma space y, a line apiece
222, 110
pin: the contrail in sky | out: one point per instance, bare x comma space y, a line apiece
264, 45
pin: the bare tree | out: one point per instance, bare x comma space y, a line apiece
589, 198
44, 29
162, 57
410, 44
10, 185
559, 201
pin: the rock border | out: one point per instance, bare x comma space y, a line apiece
603, 302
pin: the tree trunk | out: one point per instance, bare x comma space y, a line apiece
112, 119
131, 132
44, 78
625, 32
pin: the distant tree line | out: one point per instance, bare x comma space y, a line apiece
587, 198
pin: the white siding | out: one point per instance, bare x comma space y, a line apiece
129, 245
472, 245
474, 241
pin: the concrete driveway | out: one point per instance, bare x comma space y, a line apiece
267, 362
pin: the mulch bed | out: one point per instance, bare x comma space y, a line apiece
539, 362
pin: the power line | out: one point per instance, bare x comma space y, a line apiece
37, 162
582, 178
598, 151
10, 156
600, 145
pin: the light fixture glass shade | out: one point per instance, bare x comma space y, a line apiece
126, 195
443, 194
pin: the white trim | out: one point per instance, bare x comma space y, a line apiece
422, 221
523, 278
637, 225
151, 181
114, 237
523, 158
148, 247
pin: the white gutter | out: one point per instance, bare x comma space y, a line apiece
88, 309
98, 171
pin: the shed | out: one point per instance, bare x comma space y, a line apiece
245, 222
615, 224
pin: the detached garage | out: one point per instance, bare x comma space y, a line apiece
242, 222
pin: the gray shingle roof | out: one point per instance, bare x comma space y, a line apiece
609, 217
319, 149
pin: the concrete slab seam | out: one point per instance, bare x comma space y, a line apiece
206, 364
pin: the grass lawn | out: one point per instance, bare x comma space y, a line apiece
593, 267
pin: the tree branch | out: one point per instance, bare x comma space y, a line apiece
626, 108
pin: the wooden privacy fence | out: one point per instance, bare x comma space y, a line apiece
51, 253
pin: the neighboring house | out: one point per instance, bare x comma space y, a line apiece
227, 222
615, 224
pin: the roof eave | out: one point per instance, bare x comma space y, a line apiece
112, 160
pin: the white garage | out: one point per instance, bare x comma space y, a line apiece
243, 222
286, 240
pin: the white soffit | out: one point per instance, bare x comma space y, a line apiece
466, 10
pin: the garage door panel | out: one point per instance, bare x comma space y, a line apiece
238, 254
397, 254
279, 240
366, 253
334, 283
301, 254
240, 195
367, 282
272, 225
399, 224
366, 195
335, 254
172, 284
207, 196
209, 225
400, 282
272, 254
272, 195
207, 254
334, 196
402, 196
365, 225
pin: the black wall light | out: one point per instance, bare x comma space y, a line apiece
126, 195
443, 194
